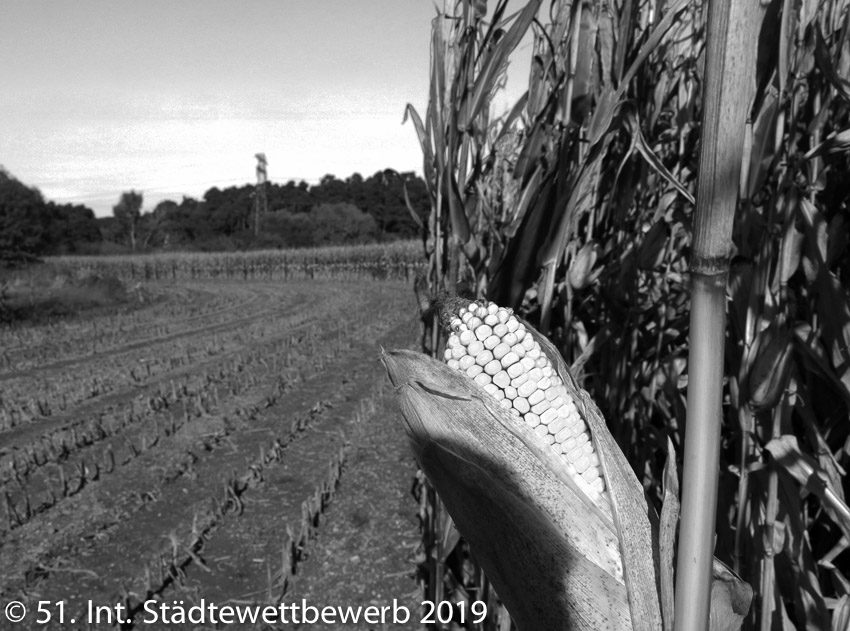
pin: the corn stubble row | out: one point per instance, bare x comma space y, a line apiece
492, 347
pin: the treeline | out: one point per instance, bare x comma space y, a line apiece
31, 227
332, 212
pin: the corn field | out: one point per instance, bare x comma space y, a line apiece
575, 209
189, 446
395, 260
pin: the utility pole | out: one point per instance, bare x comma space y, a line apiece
260, 202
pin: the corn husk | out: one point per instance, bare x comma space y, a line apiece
556, 560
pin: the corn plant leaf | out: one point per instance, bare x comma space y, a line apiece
808, 341
834, 312
769, 372
649, 155
838, 236
457, 210
652, 42
653, 246
667, 535
798, 574
448, 534
808, 473
786, 32
603, 115
530, 191
424, 142
495, 61
836, 142
517, 266
826, 460
529, 157
791, 251
841, 614
416, 218
841, 85
606, 43
511, 118
761, 157
832, 303
586, 61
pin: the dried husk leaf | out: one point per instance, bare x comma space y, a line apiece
555, 558
667, 535
510, 502
730, 599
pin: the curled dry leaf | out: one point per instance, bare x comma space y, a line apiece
730, 599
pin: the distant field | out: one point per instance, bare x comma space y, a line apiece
396, 259
227, 437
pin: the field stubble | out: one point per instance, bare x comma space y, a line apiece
190, 448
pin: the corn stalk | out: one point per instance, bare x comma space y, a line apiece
728, 91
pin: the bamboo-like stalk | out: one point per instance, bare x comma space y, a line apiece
732, 30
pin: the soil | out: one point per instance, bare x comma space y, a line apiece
233, 444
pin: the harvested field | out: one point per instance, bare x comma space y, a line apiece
227, 441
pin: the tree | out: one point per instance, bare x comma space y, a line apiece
330, 190
23, 217
342, 223
155, 225
69, 227
128, 211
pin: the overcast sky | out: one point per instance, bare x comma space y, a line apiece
172, 97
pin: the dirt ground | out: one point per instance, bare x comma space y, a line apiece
222, 445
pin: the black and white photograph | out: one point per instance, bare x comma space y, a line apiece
484, 315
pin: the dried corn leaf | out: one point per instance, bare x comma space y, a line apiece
808, 473
552, 570
495, 62
730, 599
841, 615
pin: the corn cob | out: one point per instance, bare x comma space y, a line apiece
490, 345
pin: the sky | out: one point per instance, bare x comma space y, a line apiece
173, 97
